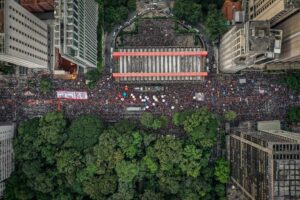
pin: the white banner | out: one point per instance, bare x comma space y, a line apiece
73, 95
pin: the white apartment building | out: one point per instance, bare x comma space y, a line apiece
250, 45
23, 37
6, 154
75, 34
232, 48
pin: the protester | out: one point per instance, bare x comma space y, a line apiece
260, 98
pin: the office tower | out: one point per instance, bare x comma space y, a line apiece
75, 35
265, 163
23, 37
249, 45
6, 153
290, 54
273, 10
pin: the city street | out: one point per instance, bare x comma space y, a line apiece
260, 98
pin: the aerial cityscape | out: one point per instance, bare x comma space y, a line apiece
150, 99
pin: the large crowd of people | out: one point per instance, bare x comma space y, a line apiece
253, 96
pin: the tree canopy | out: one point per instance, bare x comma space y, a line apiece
188, 10
292, 81
293, 114
215, 24
230, 115
222, 170
117, 11
82, 159
46, 85
150, 121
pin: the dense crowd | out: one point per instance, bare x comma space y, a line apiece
253, 96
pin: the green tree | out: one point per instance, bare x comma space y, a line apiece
222, 170
151, 195
46, 85
293, 114
94, 75
188, 10
101, 187
122, 162
84, 132
68, 161
215, 24
130, 144
106, 153
169, 184
131, 5
191, 164
17, 189
179, 117
230, 115
127, 171
168, 150
147, 119
7, 70
202, 127
220, 190
51, 134
292, 81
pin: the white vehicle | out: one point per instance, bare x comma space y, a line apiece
207, 60
114, 34
207, 68
189, 26
197, 30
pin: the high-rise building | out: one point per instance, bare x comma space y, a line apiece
6, 153
248, 45
23, 37
273, 10
265, 163
283, 15
75, 35
290, 54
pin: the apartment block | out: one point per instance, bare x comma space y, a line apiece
265, 163
273, 10
249, 45
6, 153
23, 37
75, 35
